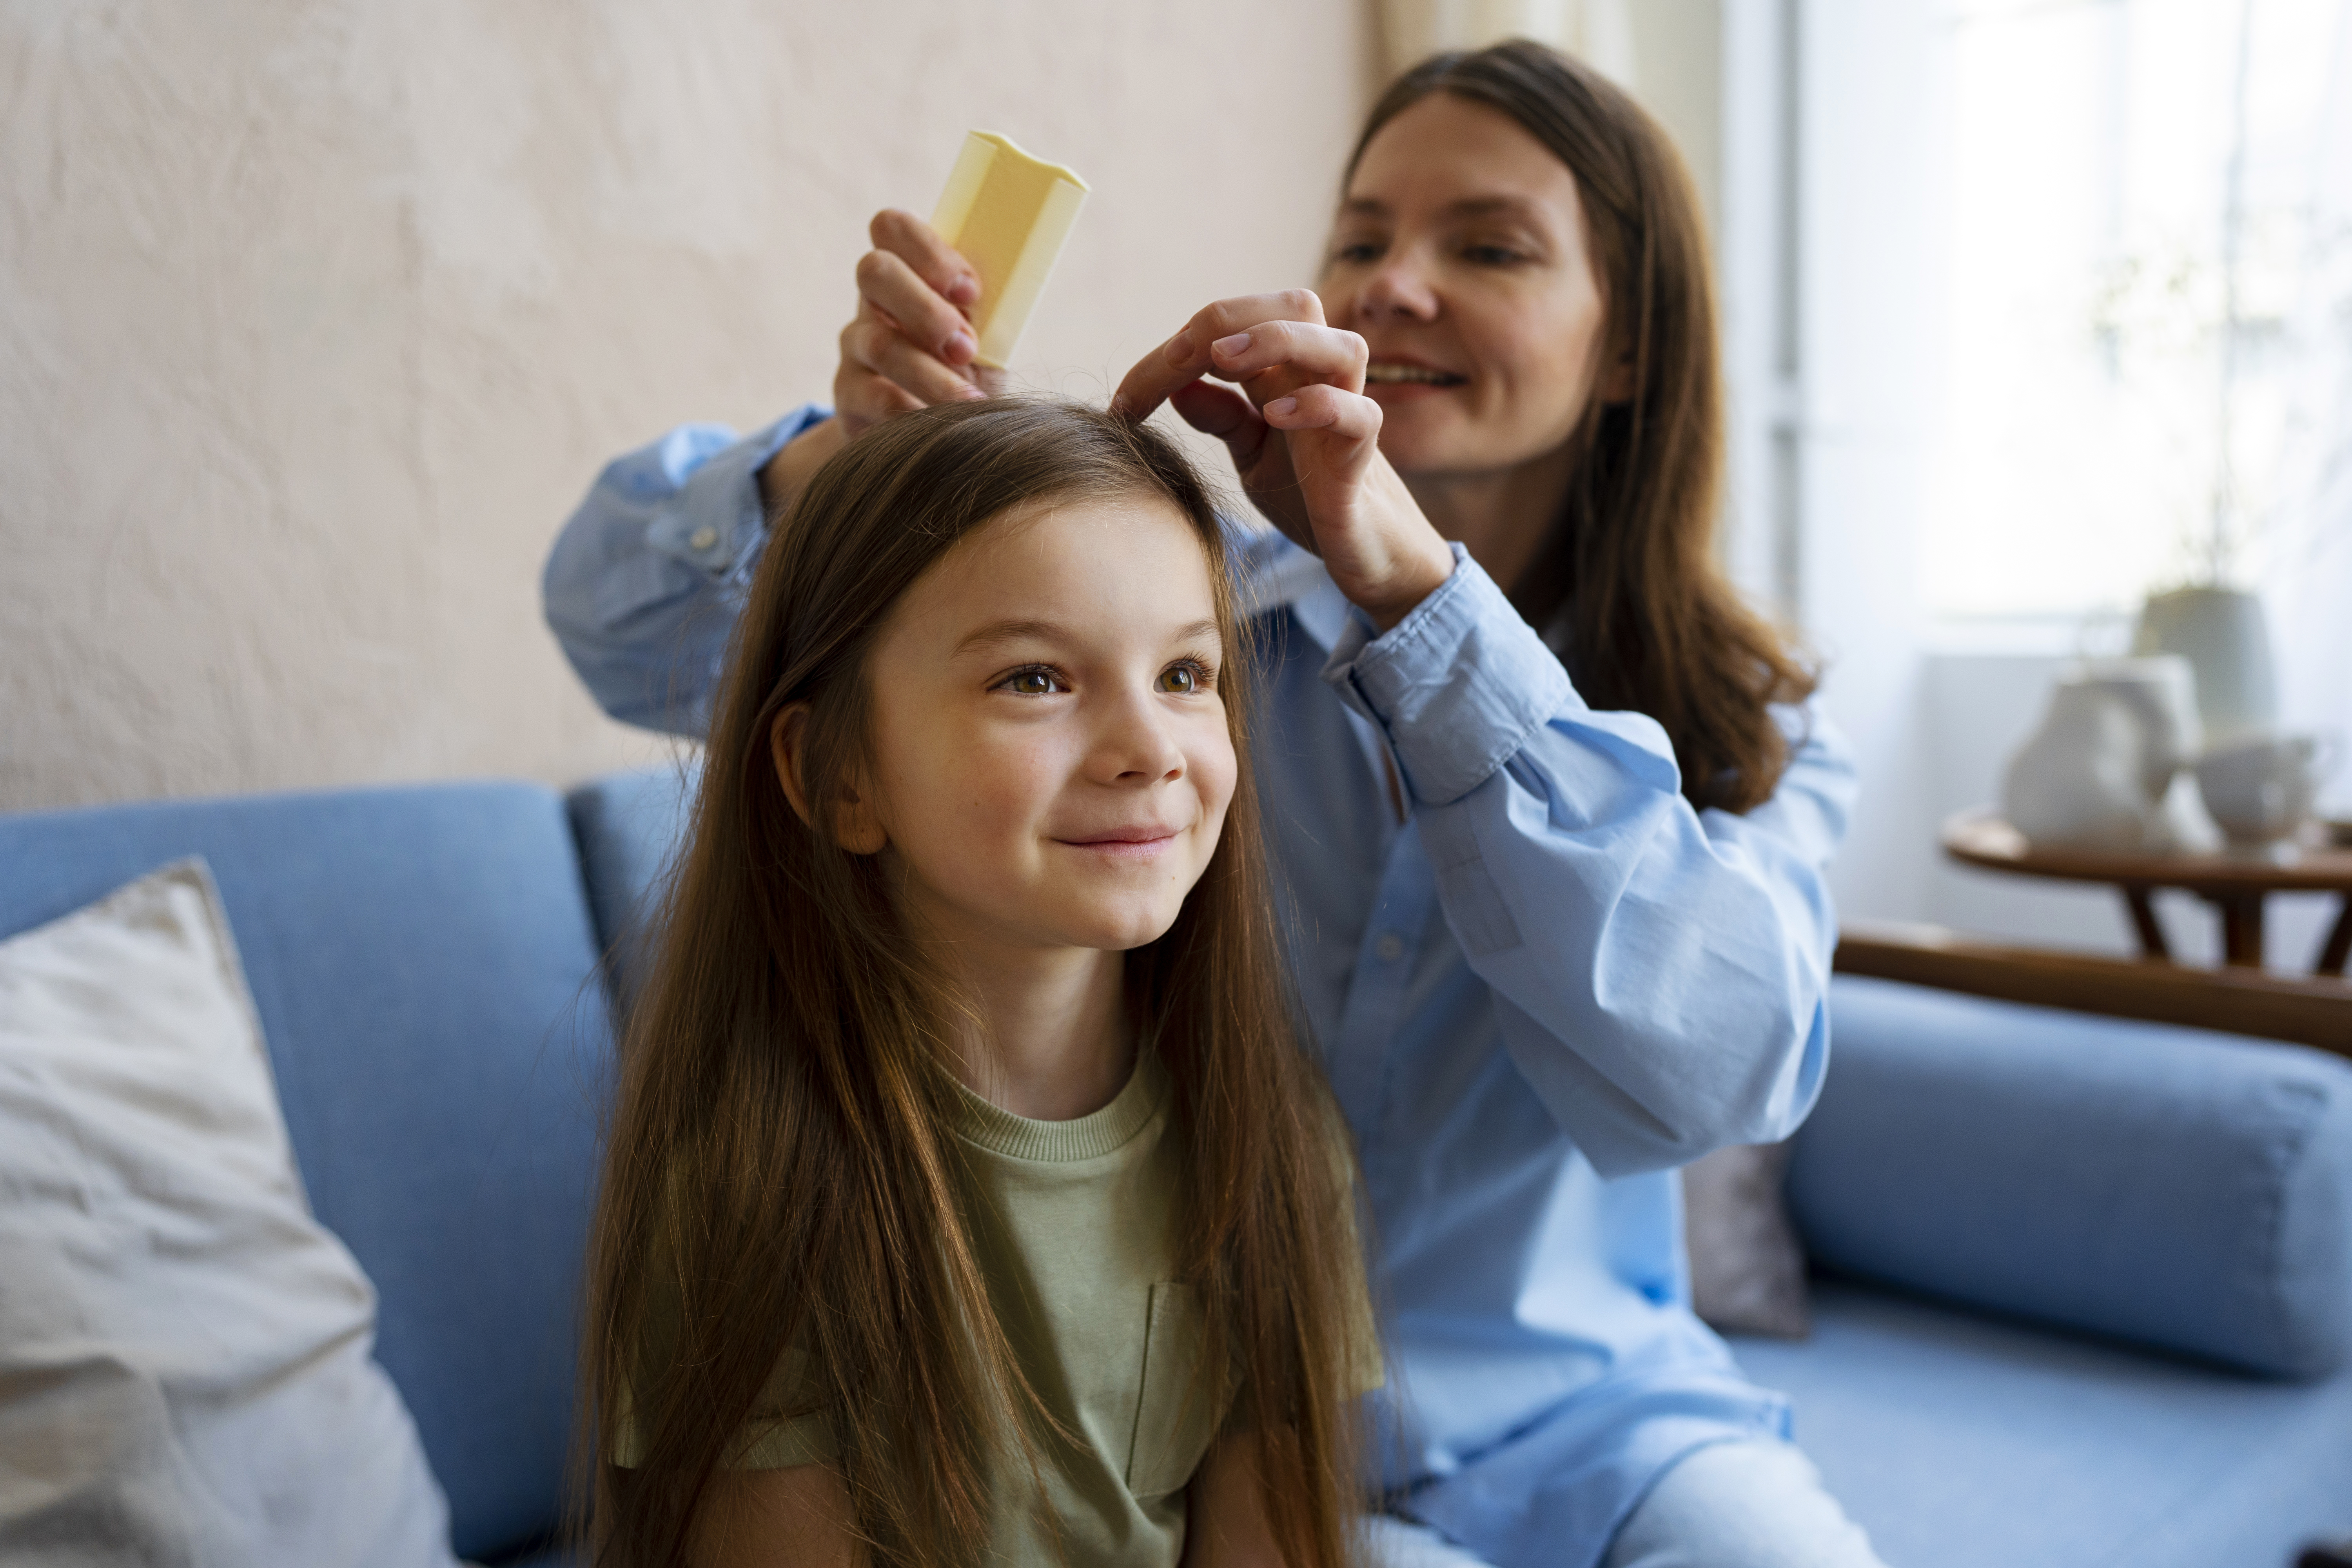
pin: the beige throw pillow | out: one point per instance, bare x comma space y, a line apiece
185, 1368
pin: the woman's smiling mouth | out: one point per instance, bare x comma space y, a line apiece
1405, 373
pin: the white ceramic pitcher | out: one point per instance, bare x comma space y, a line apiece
2105, 769
2082, 780
2160, 690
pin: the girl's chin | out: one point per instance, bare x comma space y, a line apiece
1122, 929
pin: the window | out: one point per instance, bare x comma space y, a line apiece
2148, 308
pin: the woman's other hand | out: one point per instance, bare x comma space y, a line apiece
910, 345
1304, 437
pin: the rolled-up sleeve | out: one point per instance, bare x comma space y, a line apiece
646, 581
1660, 973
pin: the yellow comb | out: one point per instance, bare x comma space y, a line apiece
1009, 214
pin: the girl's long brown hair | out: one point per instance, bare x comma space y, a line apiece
1652, 624
778, 1175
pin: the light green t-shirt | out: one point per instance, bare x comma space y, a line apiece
1072, 1223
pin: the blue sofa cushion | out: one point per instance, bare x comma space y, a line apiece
1958, 1441
2183, 1188
423, 963
630, 826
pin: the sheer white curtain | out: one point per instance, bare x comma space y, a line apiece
2145, 232
2145, 333
2003, 385
2307, 573
1600, 31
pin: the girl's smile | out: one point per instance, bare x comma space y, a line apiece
1126, 843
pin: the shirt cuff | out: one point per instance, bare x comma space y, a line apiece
719, 521
1457, 686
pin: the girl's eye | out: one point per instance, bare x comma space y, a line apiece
1491, 255
1034, 681
1184, 678
1361, 253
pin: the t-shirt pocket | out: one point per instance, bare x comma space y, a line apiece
1178, 1412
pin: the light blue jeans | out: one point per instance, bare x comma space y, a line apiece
1730, 1505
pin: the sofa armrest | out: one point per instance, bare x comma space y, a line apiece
2178, 1188
2241, 1001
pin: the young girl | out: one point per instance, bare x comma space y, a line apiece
970, 1197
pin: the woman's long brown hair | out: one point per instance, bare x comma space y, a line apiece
779, 1177
1652, 624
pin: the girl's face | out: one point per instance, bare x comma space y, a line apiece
1461, 256
1052, 758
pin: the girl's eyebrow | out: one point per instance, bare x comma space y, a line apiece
997, 633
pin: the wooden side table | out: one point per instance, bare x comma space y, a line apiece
2235, 886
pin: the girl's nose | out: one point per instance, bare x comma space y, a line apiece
1135, 747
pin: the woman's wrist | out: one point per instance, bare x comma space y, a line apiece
1414, 581
785, 475
1411, 560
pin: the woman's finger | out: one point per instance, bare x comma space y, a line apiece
1244, 311
1185, 357
1226, 414
880, 347
1348, 416
888, 285
863, 399
1153, 380
918, 245
1331, 354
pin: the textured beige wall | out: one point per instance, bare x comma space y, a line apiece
316, 318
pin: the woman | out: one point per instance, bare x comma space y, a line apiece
1554, 854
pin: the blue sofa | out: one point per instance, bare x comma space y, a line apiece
2057, 1243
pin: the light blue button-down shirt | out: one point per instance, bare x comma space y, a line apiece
1540, 988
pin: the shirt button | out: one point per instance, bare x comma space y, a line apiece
703, 538
1389, 948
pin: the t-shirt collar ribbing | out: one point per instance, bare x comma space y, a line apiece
1089, 1137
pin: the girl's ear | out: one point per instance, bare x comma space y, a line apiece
855, 827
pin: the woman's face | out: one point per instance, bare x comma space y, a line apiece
1461, 255
1053, 755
